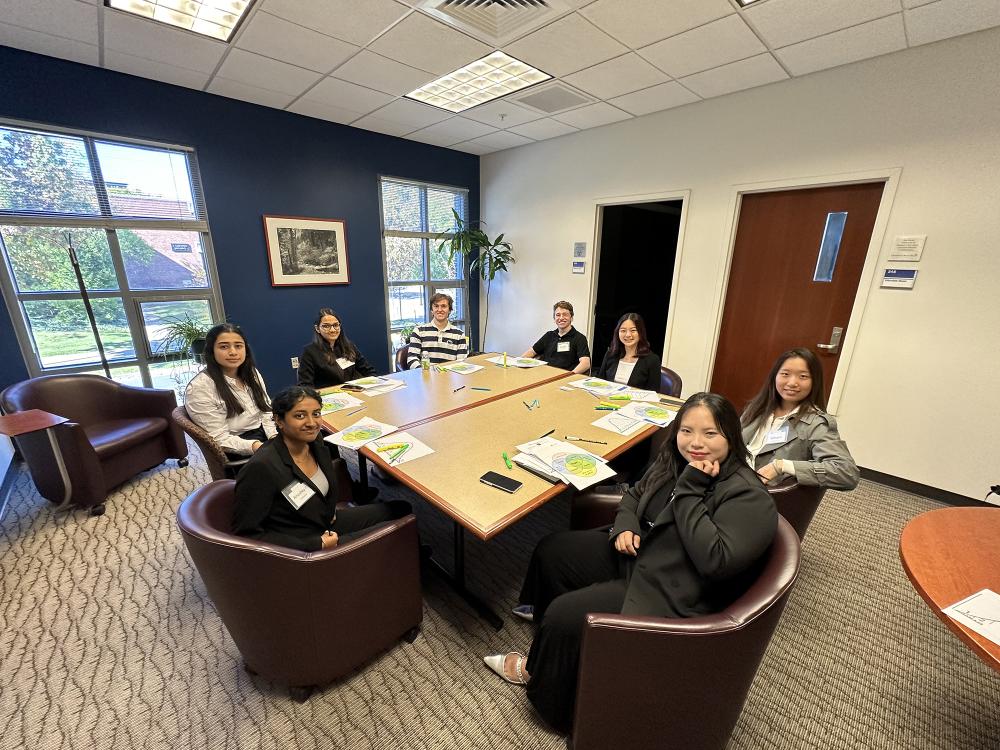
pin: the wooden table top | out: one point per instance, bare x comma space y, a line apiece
469, 443
30, 420
430, 394
949, 554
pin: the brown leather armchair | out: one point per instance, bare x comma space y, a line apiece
400, 358
686, 679
114, 432
303, 619
797, 503
670, 383
219, 465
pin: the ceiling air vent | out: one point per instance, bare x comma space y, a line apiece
496, 21
553, 98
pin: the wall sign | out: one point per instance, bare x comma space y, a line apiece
908, 247
898, 278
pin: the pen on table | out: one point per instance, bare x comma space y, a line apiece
605, 408
356, 410
393, 447
583, 440
456, 390
506, 460
548, 433
526, 405
478, 388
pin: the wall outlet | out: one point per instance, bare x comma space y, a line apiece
295, 363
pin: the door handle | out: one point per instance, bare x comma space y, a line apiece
834, 346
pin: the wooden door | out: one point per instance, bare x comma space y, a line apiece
774, 301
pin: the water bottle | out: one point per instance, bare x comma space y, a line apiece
425, 361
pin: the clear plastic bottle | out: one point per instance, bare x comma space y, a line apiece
425, 361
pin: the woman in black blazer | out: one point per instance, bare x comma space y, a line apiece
285, 494
331, 358
629, 360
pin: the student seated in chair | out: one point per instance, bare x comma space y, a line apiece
331, 358
629, 360
565, 347
438, 340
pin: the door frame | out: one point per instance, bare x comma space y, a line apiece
866, 284
684, 196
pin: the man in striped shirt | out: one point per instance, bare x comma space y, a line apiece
439, 340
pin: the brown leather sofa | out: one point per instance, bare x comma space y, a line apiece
303, 619
114, 432
648, 683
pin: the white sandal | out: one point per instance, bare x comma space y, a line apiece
496, 661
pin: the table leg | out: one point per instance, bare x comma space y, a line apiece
63, 474
456, 580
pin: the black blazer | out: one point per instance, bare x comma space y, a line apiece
262, 512
316, 372
645, 374
705, 545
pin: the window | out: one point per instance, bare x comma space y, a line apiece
413, 214
135, 219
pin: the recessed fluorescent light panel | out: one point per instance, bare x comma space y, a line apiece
215, 18
483, 81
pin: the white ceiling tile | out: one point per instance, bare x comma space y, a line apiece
283, 40
593, 116
716, 43
346, 95
448, 132
427, 44
539, 130
641, 22
850, 45
379, 73
500, 139
471, 147
139, 66
46, 44
736, 76
411, 113
501, 114
155, 41
948, 18
565, 46
784, 22
654, 99
324, 111
382, 126
69, 19
615, 77
263, 72
253, 94
355, 21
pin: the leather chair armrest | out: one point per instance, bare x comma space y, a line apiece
595, 507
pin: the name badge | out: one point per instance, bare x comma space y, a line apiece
562, 346
777, 436
297, 493
344, 362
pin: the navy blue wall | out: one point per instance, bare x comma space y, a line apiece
254, 160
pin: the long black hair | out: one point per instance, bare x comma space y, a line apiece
642, 348
768, 399
286, 400
342, 347
246, 373
670, 463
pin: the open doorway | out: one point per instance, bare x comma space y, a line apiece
638, 246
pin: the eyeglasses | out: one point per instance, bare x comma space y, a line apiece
329, 326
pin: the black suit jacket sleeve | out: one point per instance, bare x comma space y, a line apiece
645, 374
362, 367
307, 367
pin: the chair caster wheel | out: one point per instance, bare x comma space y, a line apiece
411, 635
97, 510
182, 462
300, 694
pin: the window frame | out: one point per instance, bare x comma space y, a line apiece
14, 298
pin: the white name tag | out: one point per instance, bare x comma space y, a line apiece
297, 493
777, 436
344, 362
562, 346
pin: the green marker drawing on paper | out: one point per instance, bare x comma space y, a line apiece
654, 412
577, 464
360, 434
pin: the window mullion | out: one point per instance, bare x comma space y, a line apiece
131, 307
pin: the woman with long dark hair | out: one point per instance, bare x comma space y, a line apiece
286, 493
789, 433
331, 358
228, 398
686, 541
629, 360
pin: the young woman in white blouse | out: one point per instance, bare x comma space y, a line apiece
228, 398
789, 433
629, 360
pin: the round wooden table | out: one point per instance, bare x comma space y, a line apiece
949, 554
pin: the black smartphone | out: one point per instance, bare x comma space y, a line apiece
500, 482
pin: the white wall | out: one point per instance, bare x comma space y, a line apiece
921, 393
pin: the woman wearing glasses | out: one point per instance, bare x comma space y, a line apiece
331, 358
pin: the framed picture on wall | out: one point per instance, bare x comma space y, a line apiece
303, 251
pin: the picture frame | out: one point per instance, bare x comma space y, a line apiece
304, 252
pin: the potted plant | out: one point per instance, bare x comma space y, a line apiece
182, 338
488, 257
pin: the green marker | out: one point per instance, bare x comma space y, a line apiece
506, 460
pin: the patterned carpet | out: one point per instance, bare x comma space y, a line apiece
108, 641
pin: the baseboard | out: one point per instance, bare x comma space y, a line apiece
924, 490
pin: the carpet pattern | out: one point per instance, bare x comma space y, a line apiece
108, 640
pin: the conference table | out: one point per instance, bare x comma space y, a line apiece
469, 430
949, 554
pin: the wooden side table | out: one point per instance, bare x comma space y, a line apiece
33, 420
